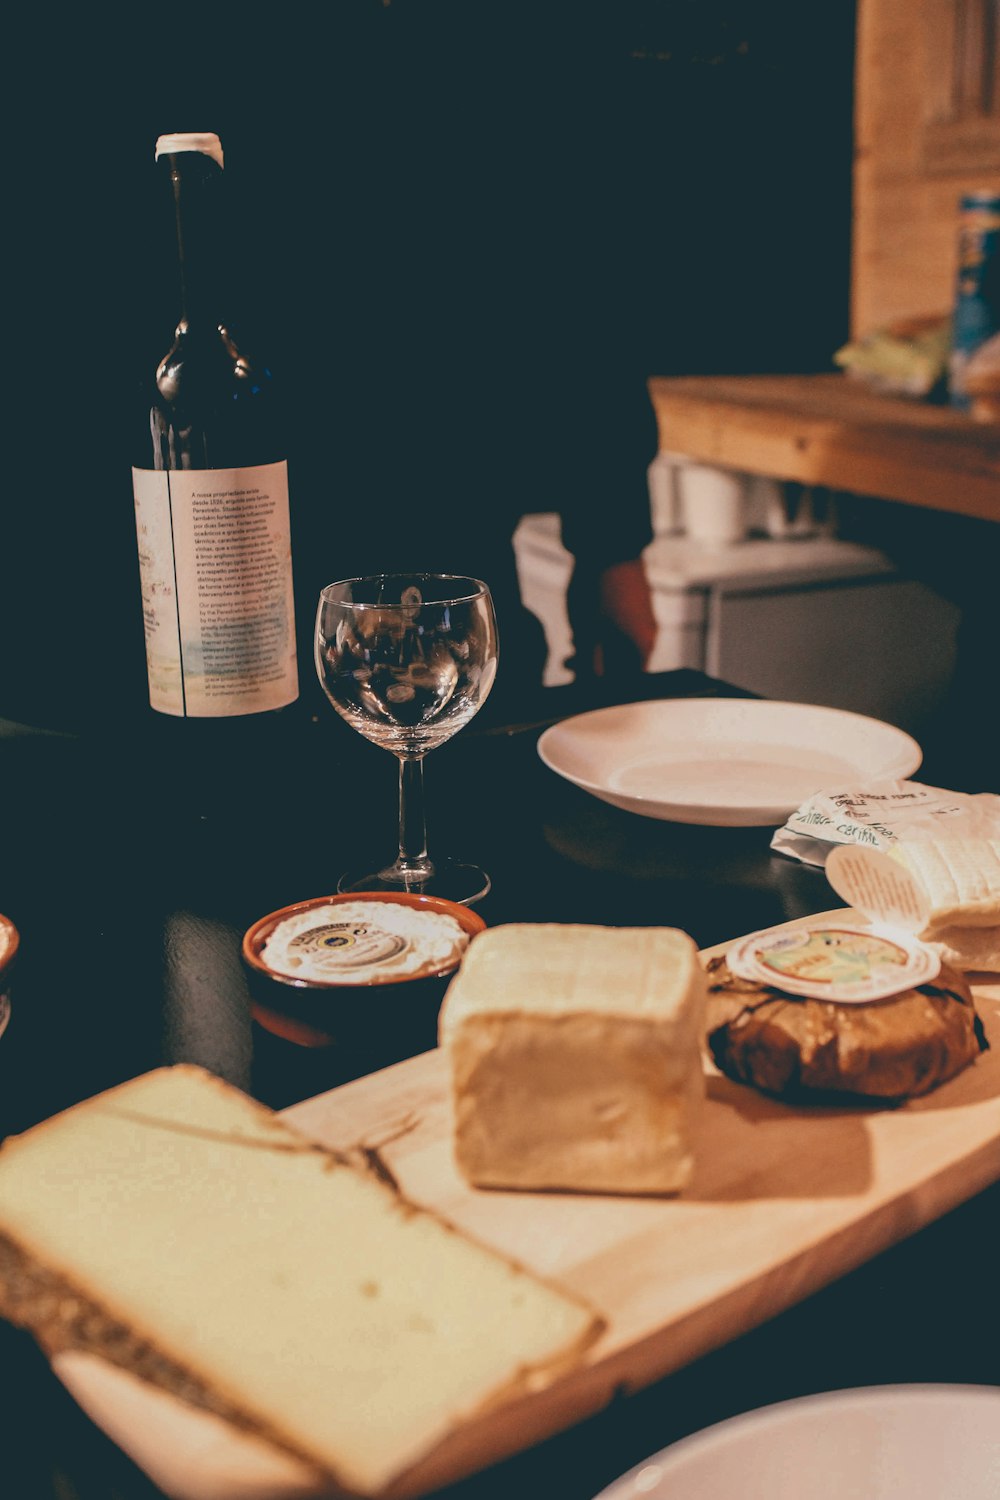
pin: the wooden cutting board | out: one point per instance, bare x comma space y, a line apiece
784, 1200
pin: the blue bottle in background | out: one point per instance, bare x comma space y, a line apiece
977, 296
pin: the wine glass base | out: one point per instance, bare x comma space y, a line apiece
450, 881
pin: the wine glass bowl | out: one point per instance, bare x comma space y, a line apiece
407, 660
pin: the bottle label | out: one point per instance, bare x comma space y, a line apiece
215, 564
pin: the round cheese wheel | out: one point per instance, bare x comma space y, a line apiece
887, 1049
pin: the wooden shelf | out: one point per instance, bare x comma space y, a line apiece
829, 430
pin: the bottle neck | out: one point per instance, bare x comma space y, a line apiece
196, 188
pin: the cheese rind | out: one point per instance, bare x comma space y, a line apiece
574, 1056
269, 1279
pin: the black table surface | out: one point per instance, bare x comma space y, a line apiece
131, 880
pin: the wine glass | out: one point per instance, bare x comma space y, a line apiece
407, 659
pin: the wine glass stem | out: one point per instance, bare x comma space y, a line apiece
412, 818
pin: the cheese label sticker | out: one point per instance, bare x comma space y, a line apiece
823, 960
879, 886
346, 945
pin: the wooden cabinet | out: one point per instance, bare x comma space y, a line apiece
927, 131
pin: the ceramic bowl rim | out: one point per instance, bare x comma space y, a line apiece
13, 937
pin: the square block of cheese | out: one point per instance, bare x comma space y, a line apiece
574, 1054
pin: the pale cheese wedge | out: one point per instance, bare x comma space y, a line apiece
574, 1055
961, 878
183, 1231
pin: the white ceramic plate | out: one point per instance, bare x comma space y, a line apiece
921, 1442
729, 761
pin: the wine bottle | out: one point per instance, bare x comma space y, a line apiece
211, 486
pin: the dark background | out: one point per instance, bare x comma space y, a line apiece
456, 229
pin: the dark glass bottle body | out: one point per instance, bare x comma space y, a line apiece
211, 494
